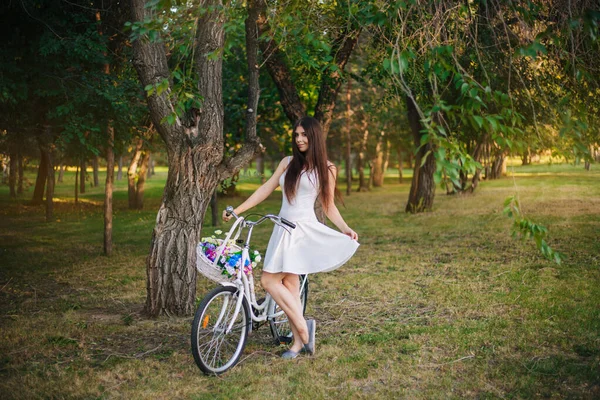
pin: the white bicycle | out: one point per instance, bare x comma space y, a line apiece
228, 313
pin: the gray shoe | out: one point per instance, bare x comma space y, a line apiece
289, 355
309, 347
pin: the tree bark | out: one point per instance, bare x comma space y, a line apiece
331, 80
12, 174
141, 182
132, 173
386, 158
82, 175
260, 167
277, 67
377, 163
422, 189
40, 182
120, 168
95, 170
76, 182
149, 168
400, 163
195, 154
363, 184
348, 139
108, 190
20, 175
61, 172
50, 188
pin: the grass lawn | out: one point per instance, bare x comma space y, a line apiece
438, 305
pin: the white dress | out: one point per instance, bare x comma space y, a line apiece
310, 247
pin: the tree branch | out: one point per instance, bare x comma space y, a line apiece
332, 79
150, 61
252, 144
277, 68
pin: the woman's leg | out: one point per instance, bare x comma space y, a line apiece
292, 282
288, 301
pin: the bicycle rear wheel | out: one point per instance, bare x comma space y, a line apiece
215, 351
280, 327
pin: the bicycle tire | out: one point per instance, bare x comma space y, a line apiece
280, 327
214, 351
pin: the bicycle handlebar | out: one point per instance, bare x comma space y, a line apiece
274, 218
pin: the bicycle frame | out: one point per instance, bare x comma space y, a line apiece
245, 287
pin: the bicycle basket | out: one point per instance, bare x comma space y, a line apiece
216, 271
216, 259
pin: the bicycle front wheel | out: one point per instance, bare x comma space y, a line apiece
280, 326
214, 350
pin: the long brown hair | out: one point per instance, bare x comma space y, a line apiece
314, 159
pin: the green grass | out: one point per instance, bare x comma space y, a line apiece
438, 305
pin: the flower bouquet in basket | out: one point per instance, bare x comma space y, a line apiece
231, 257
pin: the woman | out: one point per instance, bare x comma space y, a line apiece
310, 247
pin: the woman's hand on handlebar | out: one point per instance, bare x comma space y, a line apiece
226, 217
229, 212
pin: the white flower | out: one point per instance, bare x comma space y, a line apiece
230, 270
258, 259
253, 265
223, 260
256, 252
218, 232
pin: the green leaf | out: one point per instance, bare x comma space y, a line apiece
478, 120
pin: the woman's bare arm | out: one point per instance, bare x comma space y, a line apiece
332, 211
262, 192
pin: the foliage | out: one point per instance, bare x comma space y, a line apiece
57, 57
527, 229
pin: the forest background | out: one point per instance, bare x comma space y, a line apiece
442, 93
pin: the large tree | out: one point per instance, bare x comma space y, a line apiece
195, 147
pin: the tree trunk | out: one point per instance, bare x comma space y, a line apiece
40, 182
376, 175
195, 153
496, 167
149, 168
363, 185
132, 173
422, 188
525, 157
50, 188
331, 79
20, 175
141, 182
120, 168
370, 181
348, 139
12, 174
76, 182
61, 172
108, 190
95, 170
386, 157
400, 163
82, 176
260, 166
